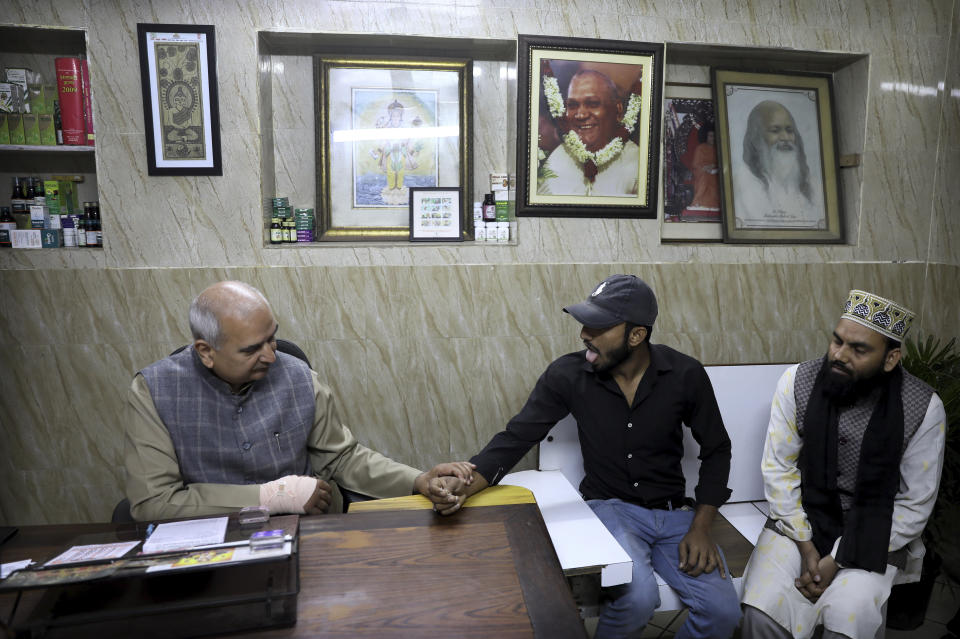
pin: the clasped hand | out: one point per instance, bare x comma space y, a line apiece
817, 572
445, 483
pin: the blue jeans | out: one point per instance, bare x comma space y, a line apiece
651, 538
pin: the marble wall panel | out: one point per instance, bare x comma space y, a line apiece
941, 313
428, 302
897, 205
579, 239
293, 116
493, 109
292, 89
229, 227
904, 90
945, 233
329, 304
268, 167
296, 172
335, 16
419, 379
148, 220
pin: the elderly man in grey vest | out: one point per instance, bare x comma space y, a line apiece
229, 422
851, 467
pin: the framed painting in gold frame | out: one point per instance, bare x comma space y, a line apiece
384, 127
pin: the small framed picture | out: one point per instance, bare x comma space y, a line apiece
691, 175
435, 214
181, 115
778, 157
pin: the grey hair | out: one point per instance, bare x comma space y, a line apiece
204, 323
223, 298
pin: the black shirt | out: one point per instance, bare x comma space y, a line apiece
629, 452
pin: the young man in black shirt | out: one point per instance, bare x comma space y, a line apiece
630, 399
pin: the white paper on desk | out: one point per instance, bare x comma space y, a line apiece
183, 535
92, 552
6, 569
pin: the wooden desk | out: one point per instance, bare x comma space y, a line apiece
487, 572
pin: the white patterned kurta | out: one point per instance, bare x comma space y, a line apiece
851, 604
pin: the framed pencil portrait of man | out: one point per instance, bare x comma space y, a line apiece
778, 157
588, 126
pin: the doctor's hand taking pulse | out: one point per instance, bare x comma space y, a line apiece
312, 495
442, 483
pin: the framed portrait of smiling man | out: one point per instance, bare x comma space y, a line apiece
588, 114
777, 157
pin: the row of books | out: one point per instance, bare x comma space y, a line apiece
32, 112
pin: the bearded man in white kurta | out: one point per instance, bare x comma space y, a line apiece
851, 467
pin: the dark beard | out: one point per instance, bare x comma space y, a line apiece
615, 357
844, 390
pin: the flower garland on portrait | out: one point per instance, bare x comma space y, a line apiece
591, 161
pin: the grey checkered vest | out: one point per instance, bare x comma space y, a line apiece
223, 438
854, 420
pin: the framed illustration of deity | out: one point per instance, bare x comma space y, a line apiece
385, 127
588, 125
778, 157
691, 175
181, 114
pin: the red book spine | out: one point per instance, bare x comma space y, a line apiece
87, 102
71, 100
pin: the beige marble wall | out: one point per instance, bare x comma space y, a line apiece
464, 331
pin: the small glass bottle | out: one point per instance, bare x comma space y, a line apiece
489, 208
57, 122
7, 224
276, 233
95, 209
81, 224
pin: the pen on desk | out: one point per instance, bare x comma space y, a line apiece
150, 530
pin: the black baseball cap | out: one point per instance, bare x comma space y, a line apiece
619, 298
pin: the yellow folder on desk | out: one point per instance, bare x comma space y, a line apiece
493, 496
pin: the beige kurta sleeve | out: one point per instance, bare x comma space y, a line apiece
336, 454
155, 486
781, 476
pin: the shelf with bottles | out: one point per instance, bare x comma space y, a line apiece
49, 213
